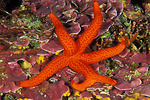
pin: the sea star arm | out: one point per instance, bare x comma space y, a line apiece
90, 76
50, 69
66, 40
86, 38
100, 55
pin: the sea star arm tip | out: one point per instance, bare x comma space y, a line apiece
128, 41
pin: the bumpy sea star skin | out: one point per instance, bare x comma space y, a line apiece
74, 57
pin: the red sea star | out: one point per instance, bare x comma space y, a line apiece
74, 57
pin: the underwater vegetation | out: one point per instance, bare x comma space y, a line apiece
28, 42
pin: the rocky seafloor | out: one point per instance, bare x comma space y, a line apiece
28, 43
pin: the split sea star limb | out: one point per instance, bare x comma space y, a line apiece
74, 57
